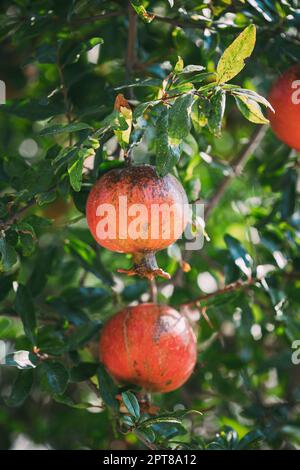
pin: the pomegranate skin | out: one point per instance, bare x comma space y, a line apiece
149, 345
285, 122
141, 185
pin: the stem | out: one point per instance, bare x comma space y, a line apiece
238, 165
229, 288
153, 290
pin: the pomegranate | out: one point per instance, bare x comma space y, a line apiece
133, 210
285, 99
149, 345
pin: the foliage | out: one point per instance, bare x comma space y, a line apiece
192, 95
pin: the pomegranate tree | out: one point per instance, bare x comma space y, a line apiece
133, 210
149, 345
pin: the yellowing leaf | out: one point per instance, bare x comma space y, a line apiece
251, 110
123, 107
233, 58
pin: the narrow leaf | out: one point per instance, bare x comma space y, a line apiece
108, 389
167, 153
25, 308
60, 129
131, 403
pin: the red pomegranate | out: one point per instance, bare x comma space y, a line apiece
133, 210
149, 345
285, 99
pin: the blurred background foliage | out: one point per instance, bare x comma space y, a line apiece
62, 63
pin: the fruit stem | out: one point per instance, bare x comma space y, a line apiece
145, 265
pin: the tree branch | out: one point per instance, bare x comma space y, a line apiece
238, 165
229, 288
14, 217
131, 42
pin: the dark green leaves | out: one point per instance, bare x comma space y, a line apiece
21, 388
240, 256
233, 59
9, 255
167, 153
131, 403
54, 377
108, 389
25, 308
60, 128
216, 112
75, 171
180, 118
83, 371
82, 334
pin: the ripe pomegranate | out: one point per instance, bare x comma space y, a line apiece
149, 345
133, 210
285, 99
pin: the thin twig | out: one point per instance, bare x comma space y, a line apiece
148, 444
237, 165
229, 288
100, 17
17, 215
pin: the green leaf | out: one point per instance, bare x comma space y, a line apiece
82, 334
9, 255
27, 238
289, 193
141, 11
60, 128
253, 96
233, 58
180, 118
4, 324
249, 439
216, 112
74, 51
238, 253
54, 377
25, 308
21, 388
131, 403
83, 371
251, 110
89, 260
75, 173
167, 153
108, 389
160, 419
